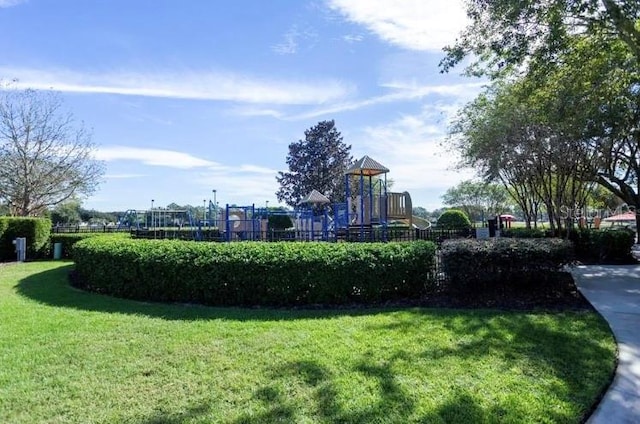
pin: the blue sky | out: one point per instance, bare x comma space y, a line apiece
184, 97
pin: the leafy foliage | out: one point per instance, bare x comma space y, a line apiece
316, 163
504, 264
591, 245
477, 198
603, 246
578, 63
44, 158
504, 34
525, 233
454, 219
255, 273
69, 239
35, 230
510, 137
66, 213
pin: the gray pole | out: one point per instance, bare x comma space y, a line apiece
215, 209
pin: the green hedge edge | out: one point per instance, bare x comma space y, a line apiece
504, 264
36, 231
255, 273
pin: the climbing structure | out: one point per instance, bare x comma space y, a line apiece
312, 218
369, 204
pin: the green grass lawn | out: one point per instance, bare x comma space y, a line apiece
68, 356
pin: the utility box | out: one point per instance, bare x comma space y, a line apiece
57, 250
21, 248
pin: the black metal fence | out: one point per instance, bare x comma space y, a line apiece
354, 234
69, 229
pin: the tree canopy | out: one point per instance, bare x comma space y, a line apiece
45, 157
316, 163
563, 109
478, 199
505, 34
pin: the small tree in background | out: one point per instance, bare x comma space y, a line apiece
454, 219
316, 163
478, 198
67, 212
45, 158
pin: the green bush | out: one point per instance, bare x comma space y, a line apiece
36, 231
454, 219
279, 222
503, 264
255, 273
603, 246
525, 233
591, 245
69, 239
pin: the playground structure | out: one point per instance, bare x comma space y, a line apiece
244, 223
312, 220
368, 213
372, 206
161, 223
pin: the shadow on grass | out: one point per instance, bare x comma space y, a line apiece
531, 341
190, 414
391, 403
576, 369
580, 365
52, 288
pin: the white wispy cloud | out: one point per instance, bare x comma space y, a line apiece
412, 24
257, 169
353, 38
412, 148
292, 38
11, 3
402, 91
123, 176
240, 187
154, 157
239, 181
183, 84
252, 111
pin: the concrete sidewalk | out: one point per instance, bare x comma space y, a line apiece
615, 292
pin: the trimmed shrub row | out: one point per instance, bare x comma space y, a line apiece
603, 246
591, 245
503, 264
36, 230
255, 273
69, 239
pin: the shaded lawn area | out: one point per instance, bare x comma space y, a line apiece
67, 356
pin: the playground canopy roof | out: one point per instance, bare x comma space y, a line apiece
628, 216
314, 198
366, 166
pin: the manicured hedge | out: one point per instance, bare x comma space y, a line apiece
255, 273
69, 239
525, 233
603, 246
503, 264
591, 245
36, 231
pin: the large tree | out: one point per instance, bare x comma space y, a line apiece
45, 157
509, 138
581, 59
316, 163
